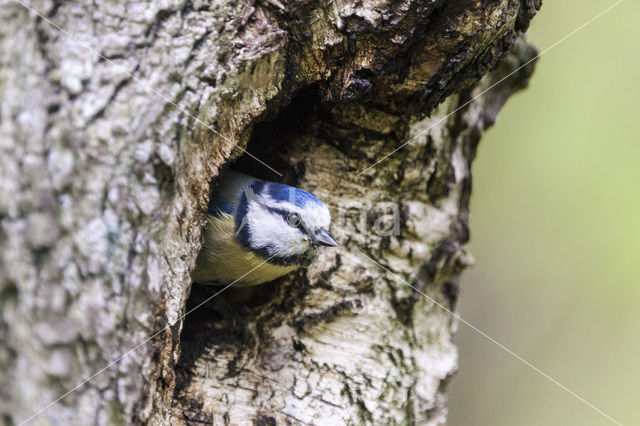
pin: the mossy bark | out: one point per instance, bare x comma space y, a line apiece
105, 180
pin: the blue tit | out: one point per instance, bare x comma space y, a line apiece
251, 221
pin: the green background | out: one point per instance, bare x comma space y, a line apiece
555, 221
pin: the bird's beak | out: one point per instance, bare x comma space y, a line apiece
323, 238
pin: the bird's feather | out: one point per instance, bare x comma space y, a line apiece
223, 261
225, 197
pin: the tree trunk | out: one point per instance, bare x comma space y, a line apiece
105, 178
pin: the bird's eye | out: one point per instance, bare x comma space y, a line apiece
293, 219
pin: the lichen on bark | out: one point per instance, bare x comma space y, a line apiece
104, 185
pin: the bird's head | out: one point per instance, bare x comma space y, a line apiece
282, 223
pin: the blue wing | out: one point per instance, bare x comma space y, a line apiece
225, 196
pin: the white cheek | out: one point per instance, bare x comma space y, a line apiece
267, 229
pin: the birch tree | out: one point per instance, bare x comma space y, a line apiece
116, 119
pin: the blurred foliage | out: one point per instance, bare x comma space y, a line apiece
556, 234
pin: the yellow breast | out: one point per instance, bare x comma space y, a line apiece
222, 260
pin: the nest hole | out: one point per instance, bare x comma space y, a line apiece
270, 142
218, 316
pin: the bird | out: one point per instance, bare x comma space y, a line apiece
257, 231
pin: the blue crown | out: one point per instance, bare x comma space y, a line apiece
282, 192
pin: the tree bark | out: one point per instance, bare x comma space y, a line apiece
105, 179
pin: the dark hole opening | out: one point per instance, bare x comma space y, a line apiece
270, 142
274, 135
225, 317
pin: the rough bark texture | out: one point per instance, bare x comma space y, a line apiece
103, 185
